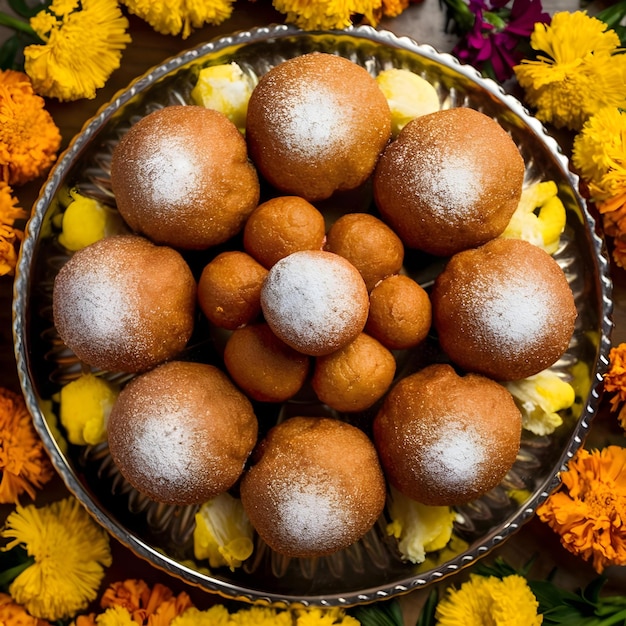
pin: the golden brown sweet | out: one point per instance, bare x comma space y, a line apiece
229, 289
181, 176
450, 181
263, 366
400, 313
281, 226
505, 309
317, 124
445, 439
181, 433
124, 303
315, 301
355, 377
369, 244
316, 487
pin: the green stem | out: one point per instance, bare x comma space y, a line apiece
614, 619
16, 24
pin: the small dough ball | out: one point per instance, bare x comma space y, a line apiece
369, 244
316, 124
281, 226
266, 368
124, 303
181, 176
504, 310
315, 301
400, 313
316, 487
450, 181
355, 377
445, 439
229, 289
181, 433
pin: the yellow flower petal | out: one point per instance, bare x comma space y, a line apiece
64, 67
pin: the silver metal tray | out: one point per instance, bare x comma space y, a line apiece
372, 568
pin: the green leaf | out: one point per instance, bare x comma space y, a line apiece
386, 613
427, 616
23, 8
9, 52
12, 563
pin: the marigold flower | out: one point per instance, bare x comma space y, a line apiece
9, 235
589, 509
173, 17
23, 460
29, 138
70, 554
13, 614
579, 70
327, 14
489, 600
615, 376
157, 606
83, 46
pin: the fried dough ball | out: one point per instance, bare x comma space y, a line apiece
369, 244
315, 301
445, 439
263, 366
504, 309
181, 433
317, 124
181, 176
354, 377
400, 313
124, 303
450, 181
229, 289
283, 225
315, 488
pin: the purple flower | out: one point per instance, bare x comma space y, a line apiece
495, 42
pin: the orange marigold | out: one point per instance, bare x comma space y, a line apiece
13, 614
29, 138
588, 511
154, 607
9, 236
23, 461
615, 376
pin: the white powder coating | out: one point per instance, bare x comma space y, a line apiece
511, 315
314, 299
170, 170
446, 182
309, 121
164, 447
456, 458
311, 514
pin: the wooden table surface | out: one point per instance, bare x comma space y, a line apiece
423, 22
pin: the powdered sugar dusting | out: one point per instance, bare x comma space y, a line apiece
309, 120
312, 514
312, 299
455, 458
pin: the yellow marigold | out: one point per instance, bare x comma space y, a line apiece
173, 17
29, 138
578, 70
619, 255
23, 461
589, 509
393, 8
13, 614
327, 14
9, 235
83, 44
489, 600
157, 606
615, 376
70, 553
